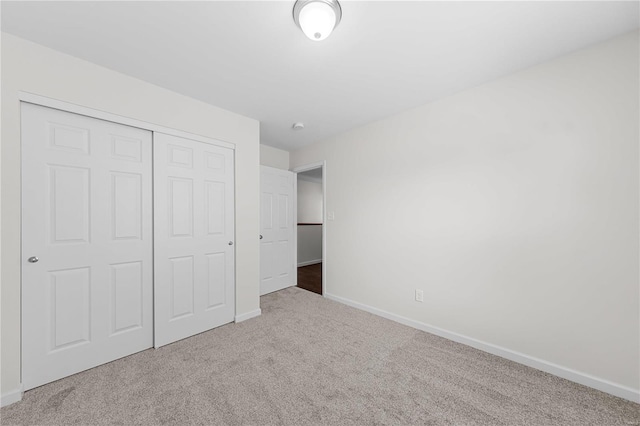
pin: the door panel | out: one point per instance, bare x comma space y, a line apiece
215, 207
86, 214
181, 207
70, 307
194, 224
126, 212
70, 215
216, 274
276, 228
181, 295
126, 296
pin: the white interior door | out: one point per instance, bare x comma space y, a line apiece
194, 233
276, 229
86, 243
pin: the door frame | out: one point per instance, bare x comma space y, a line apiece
311, 166
31, 98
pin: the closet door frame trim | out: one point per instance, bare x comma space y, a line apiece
115, 118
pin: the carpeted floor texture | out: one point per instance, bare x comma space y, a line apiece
308, 360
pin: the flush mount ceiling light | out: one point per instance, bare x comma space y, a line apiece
317, 18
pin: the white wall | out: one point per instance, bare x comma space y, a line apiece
274, 157
309, 244
309, 211
33, 68
513, 205
309, 202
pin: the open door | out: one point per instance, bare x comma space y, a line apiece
276, 229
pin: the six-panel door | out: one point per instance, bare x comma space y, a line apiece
276, 229
86, 243
194, 237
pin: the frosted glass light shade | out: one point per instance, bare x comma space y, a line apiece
317, 18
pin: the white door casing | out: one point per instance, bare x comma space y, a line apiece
194, 235
87, 217
276, 229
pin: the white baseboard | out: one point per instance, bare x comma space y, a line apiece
548, 367
309, 262
248, 315
11, 397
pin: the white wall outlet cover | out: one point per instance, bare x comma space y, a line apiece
331, 216
419, 296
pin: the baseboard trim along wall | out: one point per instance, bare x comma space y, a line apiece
539, 364
11, 397
248, 315
309, 262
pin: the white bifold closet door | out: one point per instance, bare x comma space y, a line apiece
86, 243
276, 229
194, 235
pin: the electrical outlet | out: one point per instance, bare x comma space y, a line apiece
419, 296
331, 216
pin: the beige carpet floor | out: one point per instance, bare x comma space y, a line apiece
308, 360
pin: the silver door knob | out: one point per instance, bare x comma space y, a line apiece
33, 259
260, 236
230, 243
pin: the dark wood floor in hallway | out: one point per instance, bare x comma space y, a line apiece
310, 278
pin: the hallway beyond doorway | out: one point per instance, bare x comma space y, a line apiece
310, 277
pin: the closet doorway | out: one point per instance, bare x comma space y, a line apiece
94, 231
310, 232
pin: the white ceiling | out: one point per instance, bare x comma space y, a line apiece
384, 57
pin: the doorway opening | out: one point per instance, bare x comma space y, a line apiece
310, 227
